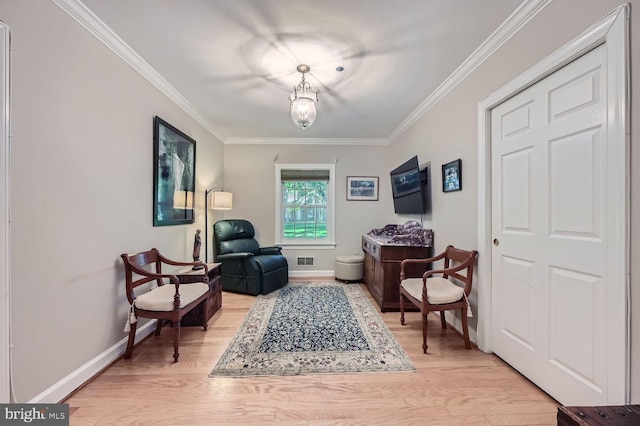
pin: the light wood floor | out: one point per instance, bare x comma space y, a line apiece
452, 385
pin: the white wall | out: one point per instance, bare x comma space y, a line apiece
81, 191
449, 131
250, 175
4, 212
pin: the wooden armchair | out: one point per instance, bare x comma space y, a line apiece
164, 302
431, 293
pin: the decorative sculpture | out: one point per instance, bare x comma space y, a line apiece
197, 243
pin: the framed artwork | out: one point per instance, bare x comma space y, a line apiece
174, 175
362, 188
452, 176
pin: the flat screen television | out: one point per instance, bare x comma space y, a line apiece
407, 186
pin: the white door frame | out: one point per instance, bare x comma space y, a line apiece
612, 30
5, 251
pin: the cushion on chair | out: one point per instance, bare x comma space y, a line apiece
161, 298
439, 290
270, 263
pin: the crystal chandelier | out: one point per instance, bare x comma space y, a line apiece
303, 101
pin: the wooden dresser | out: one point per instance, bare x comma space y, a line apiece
214, 280
382, 269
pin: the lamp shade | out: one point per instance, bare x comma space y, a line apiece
182, 199
303, 111
303, 100
222, 200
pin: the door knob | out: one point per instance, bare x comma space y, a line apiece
496, 242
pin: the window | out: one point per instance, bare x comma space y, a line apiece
305, 204
305, 209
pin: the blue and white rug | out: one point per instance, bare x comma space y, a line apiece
312, 328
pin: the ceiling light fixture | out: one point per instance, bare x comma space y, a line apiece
303, 101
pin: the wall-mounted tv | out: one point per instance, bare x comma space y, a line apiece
408, 188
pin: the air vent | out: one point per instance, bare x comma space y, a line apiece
304, 261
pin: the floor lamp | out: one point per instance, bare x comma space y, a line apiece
220, 200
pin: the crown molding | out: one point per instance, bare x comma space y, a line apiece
304, 141
88, 20
519, 18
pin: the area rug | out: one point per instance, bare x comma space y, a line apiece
312, 328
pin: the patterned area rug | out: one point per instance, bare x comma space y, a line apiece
312, 328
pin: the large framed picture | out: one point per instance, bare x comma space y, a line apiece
362, 188
452, 176
174, 175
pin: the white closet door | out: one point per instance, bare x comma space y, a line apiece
551, 284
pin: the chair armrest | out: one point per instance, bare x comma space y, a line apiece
234, 256
152, 275
448, 271
271, 250
427, 260
414, 261
454, 269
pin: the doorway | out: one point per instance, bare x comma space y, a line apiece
531, 301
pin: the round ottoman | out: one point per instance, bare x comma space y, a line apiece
349, 267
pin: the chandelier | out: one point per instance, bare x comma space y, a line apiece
303, 101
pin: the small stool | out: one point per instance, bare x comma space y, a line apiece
349, 267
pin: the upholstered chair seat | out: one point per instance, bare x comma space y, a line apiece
440, 290
161, 298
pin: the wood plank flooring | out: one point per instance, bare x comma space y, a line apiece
452, 385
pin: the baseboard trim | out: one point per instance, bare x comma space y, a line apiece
67, 385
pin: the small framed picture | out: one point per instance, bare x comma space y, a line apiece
452, 176
362, 188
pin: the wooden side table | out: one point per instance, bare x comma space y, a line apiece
214, 279
627, 415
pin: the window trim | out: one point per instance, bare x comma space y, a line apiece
328, 242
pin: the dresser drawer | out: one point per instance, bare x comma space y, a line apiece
371, 247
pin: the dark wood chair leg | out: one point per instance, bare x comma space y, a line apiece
158, 326
131, 341
401, 309
465, 329
443, 321
205, 309
176, 340
424, 333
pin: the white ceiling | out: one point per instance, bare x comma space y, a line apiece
235, 61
